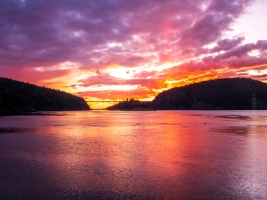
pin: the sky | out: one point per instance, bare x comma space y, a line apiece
118, 49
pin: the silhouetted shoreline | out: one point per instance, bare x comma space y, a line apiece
19, 98
219, 94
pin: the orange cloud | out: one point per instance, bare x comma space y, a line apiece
135, 49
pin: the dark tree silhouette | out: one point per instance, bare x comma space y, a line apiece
219, 94
17, 97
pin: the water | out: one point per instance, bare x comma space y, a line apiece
134, 155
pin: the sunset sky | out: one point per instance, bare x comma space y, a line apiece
118, 49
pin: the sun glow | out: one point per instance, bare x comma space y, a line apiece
119, 72
111, 87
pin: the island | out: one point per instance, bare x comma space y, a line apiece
21, 98
132, 105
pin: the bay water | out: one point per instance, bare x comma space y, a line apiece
134, 155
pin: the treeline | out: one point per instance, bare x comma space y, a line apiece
132, 104
18, 97
220, 94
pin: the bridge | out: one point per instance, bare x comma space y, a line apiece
104, 101
102, 104
115, 101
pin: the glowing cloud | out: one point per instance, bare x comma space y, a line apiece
121, 49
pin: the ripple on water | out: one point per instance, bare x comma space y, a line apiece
7, 130
240, 130
102, 155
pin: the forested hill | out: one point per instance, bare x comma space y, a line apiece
226, 94
17, 97
133, 105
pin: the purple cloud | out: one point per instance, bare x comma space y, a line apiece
99, 34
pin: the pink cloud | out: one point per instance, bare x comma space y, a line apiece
100, 34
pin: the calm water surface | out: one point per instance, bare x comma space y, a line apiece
134, 155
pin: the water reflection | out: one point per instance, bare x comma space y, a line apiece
163, 154
6, 130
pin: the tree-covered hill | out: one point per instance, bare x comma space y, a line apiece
226, 94
133, 105
17, 97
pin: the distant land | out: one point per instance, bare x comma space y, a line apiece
219, 94
133, 105
18, 98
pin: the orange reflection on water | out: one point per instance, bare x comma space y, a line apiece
156, 154
121, 152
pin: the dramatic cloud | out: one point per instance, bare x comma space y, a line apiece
125, 48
